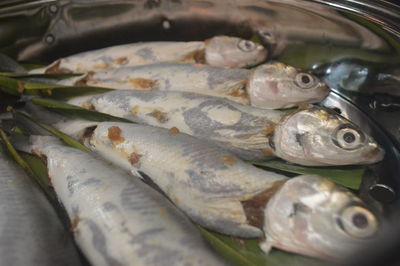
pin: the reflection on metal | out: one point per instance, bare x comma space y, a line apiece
8, 7
387, 180
83, 24
382, 192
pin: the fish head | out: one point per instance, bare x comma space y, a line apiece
318, 136
233, 52
313, 216
277, 85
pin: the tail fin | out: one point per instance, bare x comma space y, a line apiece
21, 143
8, 64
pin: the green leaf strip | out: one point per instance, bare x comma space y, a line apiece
225, 250
14, 154
47, 76
16, 87
76, 111
348, 176
65, 138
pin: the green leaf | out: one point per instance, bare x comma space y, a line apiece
37, 170
246, 252
31, 66
14, 154
62, 136
348, 176
40, 170
56, 76
76, 112
17, 87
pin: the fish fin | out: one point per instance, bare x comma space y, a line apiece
28, 143
266, 246
28, 126
137, 173
21, 143
7, 64
42, 113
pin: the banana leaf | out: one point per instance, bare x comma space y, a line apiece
245, 252
39, 75
62, 136
17, 87
348, 176
76, 112
14, 154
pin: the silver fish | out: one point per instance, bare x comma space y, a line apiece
270, 86
313, 216
313, 136
219, 191
118, 220
220, 51
30, 230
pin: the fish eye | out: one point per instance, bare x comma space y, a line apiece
349, 138
358, 222
246, 45
305, 80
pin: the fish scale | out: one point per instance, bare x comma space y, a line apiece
222, 51
235, 127
310, 135
272, 85
219, 82
220, 192
29, 226
116, 219
206, 182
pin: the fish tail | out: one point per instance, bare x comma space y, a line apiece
28, 126
21, 143
8, 64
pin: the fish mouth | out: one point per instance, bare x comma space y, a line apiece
375, 155
323, 90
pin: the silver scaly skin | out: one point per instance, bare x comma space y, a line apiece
221, 51
313, 216
268, 86
219, 191
313, 136
116, 219
277, 86
30, 230
319, 137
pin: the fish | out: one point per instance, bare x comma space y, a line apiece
307, 214
117, 219
312, 135
220, 51
31, 232
314, 217
273, 85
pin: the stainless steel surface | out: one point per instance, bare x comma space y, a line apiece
300, 32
